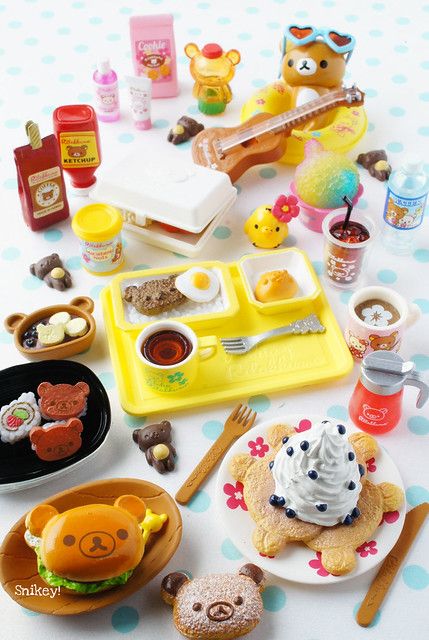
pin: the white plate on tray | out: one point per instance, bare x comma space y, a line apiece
296, 562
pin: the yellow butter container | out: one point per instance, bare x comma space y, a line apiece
98, 227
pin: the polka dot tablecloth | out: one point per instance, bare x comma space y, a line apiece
48, 51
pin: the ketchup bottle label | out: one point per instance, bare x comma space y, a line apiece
46, 192
79, 149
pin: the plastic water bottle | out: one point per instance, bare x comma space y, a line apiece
407, 191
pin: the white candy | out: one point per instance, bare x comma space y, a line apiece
76, 327
60, 318
50, 334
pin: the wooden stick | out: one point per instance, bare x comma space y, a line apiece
202, 470
390, 567
33, 134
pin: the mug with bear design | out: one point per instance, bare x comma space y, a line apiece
381, 325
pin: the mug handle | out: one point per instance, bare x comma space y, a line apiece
414, 314
207, 347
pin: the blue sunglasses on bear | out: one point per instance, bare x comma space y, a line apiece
338, 42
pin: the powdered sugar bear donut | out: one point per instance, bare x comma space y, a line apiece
215, 607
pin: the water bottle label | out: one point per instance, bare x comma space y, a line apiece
404, 213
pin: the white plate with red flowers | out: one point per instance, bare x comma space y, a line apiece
297, 562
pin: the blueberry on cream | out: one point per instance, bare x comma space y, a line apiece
319, 477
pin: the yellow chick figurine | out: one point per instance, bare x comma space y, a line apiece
267, 226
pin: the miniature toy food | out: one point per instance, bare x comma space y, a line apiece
93, 547
314, 488
212, 607
324, 177
62, 401
154, 296
155, 442
57, 440
76, 327
376, 163
198, 284
275, 285
185, 129
62, 317
50, 335
57, 329
51, 270
18, 418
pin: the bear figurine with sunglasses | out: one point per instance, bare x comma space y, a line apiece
313, 63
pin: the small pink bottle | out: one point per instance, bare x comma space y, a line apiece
106, 92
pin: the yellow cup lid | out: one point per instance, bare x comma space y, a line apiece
97, 222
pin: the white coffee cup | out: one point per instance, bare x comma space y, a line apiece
364, 337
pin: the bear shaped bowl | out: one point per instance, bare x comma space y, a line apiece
81, 307
18, 562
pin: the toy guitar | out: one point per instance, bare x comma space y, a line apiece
263, 137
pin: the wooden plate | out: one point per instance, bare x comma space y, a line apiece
18, 561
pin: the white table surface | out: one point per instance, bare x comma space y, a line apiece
48, 51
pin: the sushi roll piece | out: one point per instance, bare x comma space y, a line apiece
18, 417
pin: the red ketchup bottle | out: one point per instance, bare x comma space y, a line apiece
41, 185
76, 128
376, 403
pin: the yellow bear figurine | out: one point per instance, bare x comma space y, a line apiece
212, 70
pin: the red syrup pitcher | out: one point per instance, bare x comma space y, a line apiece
376, 403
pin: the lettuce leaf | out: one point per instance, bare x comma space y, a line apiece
80, 587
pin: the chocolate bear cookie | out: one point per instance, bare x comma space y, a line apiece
155, 441
185, 128
215, 607
155, 296
376, 163
57, 440
62, 401
51, 270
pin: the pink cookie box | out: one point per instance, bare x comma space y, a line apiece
312, 217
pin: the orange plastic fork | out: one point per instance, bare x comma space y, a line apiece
241, 420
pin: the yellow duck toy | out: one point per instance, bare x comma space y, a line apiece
267, 226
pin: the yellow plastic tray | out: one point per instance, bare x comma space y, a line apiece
280, 364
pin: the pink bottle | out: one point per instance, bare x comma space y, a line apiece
106, 92
153, 52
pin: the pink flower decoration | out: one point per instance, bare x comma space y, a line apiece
258, 448
390, 517
280, 88
285, 208
260, 101
317, 564
304, 425
370, 465
367, 548
236, 498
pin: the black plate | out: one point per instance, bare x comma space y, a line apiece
18, 462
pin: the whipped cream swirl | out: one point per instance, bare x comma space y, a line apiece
317, 476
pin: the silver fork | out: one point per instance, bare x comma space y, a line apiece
243, 344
